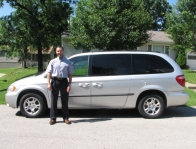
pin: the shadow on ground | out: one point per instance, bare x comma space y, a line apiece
108, 114
183, 111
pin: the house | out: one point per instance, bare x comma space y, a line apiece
8, 62
191, 60
47, 55
159, 42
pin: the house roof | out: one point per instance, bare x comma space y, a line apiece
159, 36
155, 36
44, 50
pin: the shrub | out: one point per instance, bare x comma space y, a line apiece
181, 58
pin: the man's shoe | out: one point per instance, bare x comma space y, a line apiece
67, 121
52, 122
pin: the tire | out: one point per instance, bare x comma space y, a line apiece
151, 106
32, 105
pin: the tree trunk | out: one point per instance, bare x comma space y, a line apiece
40, 62
24, 58
24, 64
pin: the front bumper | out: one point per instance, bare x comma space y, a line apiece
11, 99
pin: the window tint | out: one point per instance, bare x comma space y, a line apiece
80, 65
150, 64
111, 64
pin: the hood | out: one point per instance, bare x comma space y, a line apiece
35, 79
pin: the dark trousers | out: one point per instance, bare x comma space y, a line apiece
59, 85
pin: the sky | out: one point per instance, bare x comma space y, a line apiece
6, 9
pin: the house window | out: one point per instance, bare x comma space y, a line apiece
159, 48
149, 47
2, 53
84, 51
192, 57
167, 50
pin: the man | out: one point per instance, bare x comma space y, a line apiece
59, 69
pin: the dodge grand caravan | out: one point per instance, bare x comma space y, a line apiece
148, 81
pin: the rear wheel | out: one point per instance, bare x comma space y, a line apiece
151, 106
32, 105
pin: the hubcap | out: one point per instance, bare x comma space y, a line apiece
31, 105
152, 106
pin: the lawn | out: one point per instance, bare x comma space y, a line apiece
190, 76
12, 75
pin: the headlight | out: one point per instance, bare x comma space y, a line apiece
11, 88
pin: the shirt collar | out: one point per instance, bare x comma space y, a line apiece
60, 58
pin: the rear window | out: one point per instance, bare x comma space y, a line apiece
111, 64
150, 64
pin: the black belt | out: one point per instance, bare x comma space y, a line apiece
55, 78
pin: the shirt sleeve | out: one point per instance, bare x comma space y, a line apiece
49, 68
70, 68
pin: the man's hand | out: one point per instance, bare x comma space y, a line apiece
68, 89
49, 87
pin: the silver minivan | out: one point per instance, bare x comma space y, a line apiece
148, 81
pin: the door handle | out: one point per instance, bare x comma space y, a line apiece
97, 84
84, 85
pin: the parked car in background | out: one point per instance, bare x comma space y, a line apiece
148, 81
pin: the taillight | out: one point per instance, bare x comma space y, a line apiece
181, 80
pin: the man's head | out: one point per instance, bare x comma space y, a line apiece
59, 51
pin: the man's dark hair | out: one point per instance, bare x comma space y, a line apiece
60, 47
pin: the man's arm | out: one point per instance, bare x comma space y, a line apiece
70, 81
48, 81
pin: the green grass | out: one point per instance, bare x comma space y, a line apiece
190, 76
12, 75
192, 97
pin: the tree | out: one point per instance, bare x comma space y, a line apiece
158, 10
43, 21
181, 58
14, 39
182, 25
109, 25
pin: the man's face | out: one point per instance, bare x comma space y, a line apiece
59, 52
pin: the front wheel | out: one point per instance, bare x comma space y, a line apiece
151, 106
32, 105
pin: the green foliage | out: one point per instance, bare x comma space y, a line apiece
110, 25
181, 25
35, 23
181, 58
190, 76
158, 10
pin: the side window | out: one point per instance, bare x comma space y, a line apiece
111, 64
150, 64
80, 65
